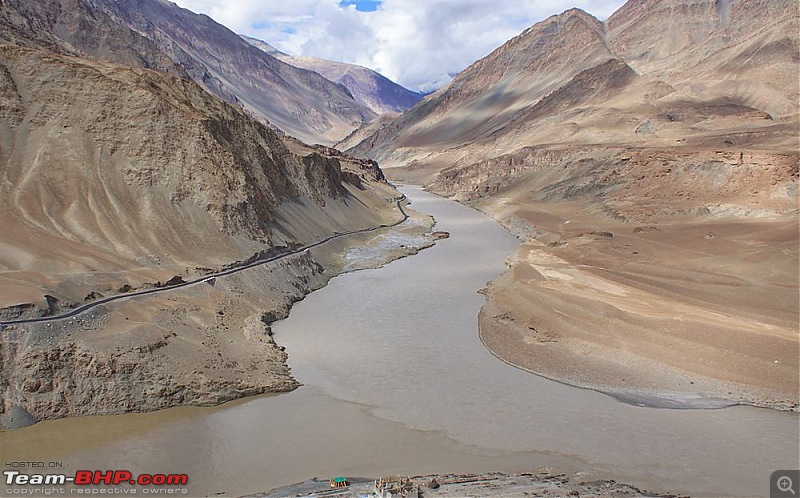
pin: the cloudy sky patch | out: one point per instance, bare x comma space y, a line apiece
418, 43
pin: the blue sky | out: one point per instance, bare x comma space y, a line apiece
362, 5
420, 44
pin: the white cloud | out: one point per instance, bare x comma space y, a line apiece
418, 43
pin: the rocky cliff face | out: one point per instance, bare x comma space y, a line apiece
365, 85
180, 147
160, 35
75, 27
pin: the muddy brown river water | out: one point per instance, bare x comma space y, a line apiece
397, 381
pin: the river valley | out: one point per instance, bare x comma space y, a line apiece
396, 380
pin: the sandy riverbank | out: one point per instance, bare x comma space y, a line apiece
692, 311
657, 303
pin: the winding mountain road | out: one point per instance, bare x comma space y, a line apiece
230, 271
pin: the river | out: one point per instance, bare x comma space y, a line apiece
397, 381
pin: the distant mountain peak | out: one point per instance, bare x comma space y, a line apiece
559, 20
264, 46
367, 87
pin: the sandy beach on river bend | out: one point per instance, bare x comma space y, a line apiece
684, 309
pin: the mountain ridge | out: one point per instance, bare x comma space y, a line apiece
144, 32
499, 70
481, 86
367, 87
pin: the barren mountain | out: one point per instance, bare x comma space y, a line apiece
367, 87
737, 79
485, 97
160, 35
650, 163
117, 178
